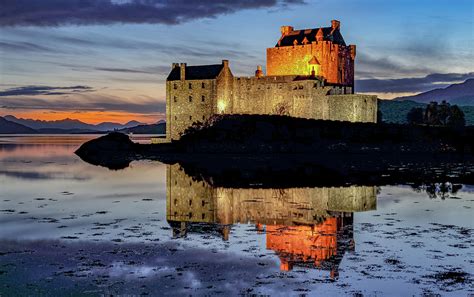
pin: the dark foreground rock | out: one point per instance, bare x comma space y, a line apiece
272, 150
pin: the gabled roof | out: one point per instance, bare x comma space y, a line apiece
314, 61
310, 35
196, 72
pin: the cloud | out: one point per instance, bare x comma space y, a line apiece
44, 90
96, 12
414, 84
24, 46
369, 67
146, 70
86, 102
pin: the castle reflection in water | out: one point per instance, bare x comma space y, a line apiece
311, 227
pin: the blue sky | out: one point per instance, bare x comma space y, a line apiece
108, 59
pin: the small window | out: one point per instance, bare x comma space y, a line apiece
175, 86
190, 117
175, 99
175, 117
203, 216
190, 98
203, 118
190, 85
203, 98
203, 85
190, 202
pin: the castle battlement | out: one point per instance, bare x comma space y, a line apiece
310, 74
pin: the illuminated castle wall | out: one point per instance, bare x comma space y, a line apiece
321, 51
310, 74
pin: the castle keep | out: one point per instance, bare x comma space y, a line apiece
310, 74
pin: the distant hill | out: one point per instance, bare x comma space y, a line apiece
158, 128
70, 124
7, 127
459, 94
394, 111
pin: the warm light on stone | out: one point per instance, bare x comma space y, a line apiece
221, 106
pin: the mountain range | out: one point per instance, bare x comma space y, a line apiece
13, 125
459, 94
70, 124
7, 127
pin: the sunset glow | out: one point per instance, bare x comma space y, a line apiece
90, 117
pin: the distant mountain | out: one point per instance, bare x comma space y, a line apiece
158, 128
108, 126
396, 111
70, 124
7, 127
460, 94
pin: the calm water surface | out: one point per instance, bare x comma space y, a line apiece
71, 228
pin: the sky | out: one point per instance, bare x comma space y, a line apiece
107, 60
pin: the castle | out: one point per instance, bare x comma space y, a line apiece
310, 74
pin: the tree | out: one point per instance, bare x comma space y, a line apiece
431, 116
456, 117
415, 116
443, 114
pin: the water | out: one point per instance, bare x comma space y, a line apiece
71, 228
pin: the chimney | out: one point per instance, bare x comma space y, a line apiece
225, 63
335, 24
285, 30
183, 71
259, 72
174, 65
353, 51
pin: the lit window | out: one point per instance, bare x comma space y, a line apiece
221, 106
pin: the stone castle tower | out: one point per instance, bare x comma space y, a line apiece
310, 74
317, 52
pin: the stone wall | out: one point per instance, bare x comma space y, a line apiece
353, 108
187, 102
191, 101
301, 98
